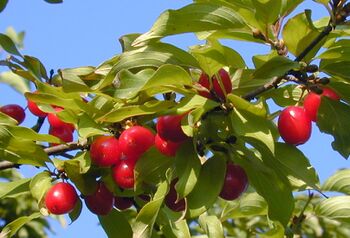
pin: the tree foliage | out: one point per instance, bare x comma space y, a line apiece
151, 79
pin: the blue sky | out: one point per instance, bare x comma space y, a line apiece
79, 33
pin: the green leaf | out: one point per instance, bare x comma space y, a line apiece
76, 169
211, 226
19, 150
338, 182
285, 96
336, 68
7, 44
207, 184
39, 185
187, 165
249, 126
176, 229
151, 167
249, 204
12, 189
73, 83
11, 229
192, 18
74, 215
335, 208
87, 127
148, 108
213, 56
127, 40
294, 164
277, 231
267, 11
3, 4
16, 82
143, 225
269, 183
170, 77
150, 56
277, 66
299, 32
333, 119
241, 104
339, 51
116, 225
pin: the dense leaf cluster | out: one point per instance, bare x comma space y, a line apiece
150, 79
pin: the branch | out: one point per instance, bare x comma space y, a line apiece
38, 124
276, 80
7, 165
54, 150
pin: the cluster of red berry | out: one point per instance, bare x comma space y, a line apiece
294, 122
121, 155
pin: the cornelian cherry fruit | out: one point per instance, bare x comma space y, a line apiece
123, 203
15, 111
135, 140
167, 148
216, 88
105, 151
313, 100
123, 173
64, 133
235, 183
61, 198
55, 121
171, 199
101, 202
169, 128
294, 125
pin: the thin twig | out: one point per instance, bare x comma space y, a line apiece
276, 80
54, 150
38, 124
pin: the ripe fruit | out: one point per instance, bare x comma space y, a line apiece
61, 198
294, 125
313, 100
101, 202
123, 173
55, 121
123, 203
105, 151
226, 82
167, 148
235, 183
169, 128
15, 111
64, 133
33, 108
135, 140
171, 199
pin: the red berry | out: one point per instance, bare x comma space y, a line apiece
123, 203
226, 82
15, 111
167, 148
313, 100
169, 128
135, 140
235, 183
123, 173
55, 121
64, 133
105, 151
294, 125
171, 199
101, 202
61, 198
33, 108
